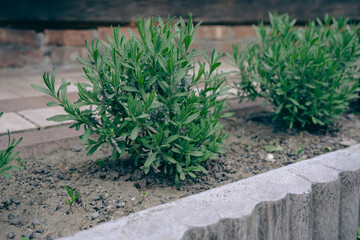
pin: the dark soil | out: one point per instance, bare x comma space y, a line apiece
32, 203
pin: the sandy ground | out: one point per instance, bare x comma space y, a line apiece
32, 203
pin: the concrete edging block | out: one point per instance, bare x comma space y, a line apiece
313, 199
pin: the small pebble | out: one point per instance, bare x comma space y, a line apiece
102, 175
270, 158
11, 235
35, 222
348, 143
15, 200
11, 216
77, 148
12, 207
16, 223
95, 215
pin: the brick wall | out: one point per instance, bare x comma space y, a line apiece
26, 48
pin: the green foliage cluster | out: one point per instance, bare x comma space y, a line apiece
146, 98
308, 74
7, 155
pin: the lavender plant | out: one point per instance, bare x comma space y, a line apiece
146, 98
308, 74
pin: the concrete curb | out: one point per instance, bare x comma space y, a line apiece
313, 199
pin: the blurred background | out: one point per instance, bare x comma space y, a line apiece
46, 33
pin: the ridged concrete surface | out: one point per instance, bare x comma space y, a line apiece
314, 199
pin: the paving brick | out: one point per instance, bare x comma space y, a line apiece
17, 37
21, 87
14, 123
39, 116
244, 32
5, 95
10, 57
68, 37
34, 57
16, 103
67, 55
214, 32
124, 30
209, 46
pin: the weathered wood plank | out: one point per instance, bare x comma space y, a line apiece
210, 11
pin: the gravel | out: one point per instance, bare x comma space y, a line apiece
34, 199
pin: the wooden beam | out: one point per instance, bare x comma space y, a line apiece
209, 11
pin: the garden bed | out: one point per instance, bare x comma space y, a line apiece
32, 203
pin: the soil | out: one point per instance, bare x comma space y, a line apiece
32, 203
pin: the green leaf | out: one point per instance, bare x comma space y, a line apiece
94, 148
191, 174
144, 115
150, 160
52, 104
61, 118
85, 136
214, 66
84, 61
187, 138
179, 169
170, 139
192, 118
294, 101
279, 108
187, 41
196, 153
170, 159
69, 191
182, 176
129, 89
5, 174
42, 89
228, 114
134, 133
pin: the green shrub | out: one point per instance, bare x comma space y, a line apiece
143, 99
308, 74
7, 155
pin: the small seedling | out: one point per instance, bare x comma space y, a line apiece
73, 198
327, 149
100, 163
144, 195
271, 149
8, 155
301, 149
